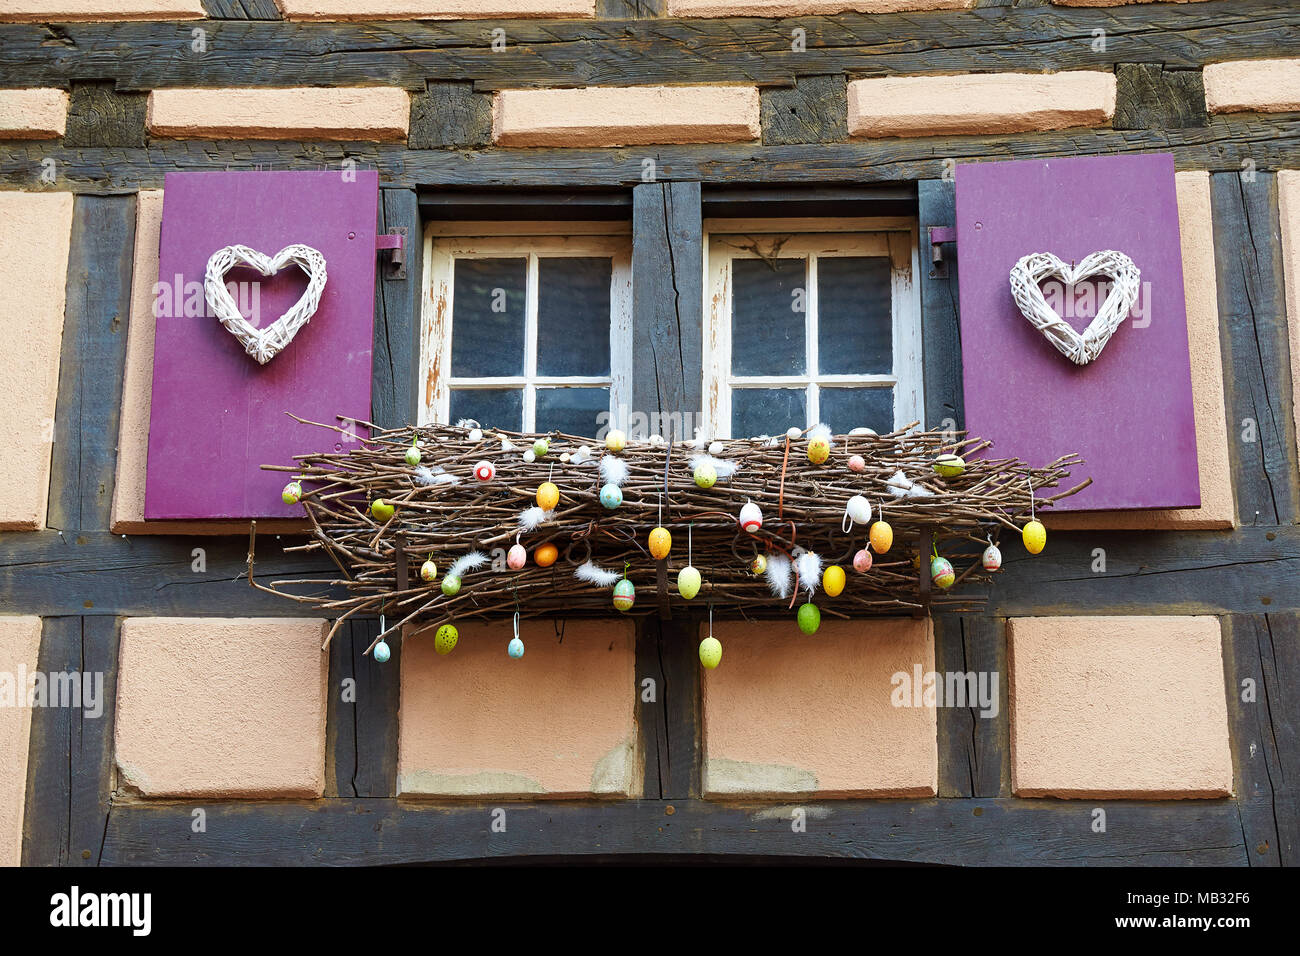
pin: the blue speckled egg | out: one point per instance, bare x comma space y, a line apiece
515, 648
382, 652
611, 496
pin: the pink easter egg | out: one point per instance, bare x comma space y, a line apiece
862, 561
516, 557
856, 463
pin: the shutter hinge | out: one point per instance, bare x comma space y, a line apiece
395, 244
938, 235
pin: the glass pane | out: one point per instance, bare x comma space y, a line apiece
767, 317
854, 316
767, 411
844, 409
490, 407
573, 316
487, 323
573, 411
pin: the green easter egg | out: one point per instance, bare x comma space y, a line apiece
809, 618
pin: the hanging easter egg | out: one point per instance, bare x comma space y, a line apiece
949, 465
381, 509
710, 652
548, 495
413, 456
382, 652
688, 582
661, 543
429, 571
611, 496
705, 475
292, 492
881, 536
809, 618
819, 449
1035, 537
515, 648
857, 463
941, 573
444, 642
545, 555
485, 471
859, 509
833, 580
751, 518
540, 447
516, 557
862, 561
615, 440
529, 455
992, 558
758, 565
451, 585
624, 595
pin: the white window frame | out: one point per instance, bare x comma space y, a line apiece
445, 242
812, 239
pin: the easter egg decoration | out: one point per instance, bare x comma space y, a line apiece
450, 585
1035, 536
941, 572
428, 571
862, 561
614, 470
857, 464
516, 646
856, 511
475, 434
707, 470
624, 595
413, 455
382, 652
881, 536
292, 493
485, 471
466, 562
688, 582
751, 517
705, 475
545, 555
833, 580
949, 465
716, 448
661, 543
710, 652
516, 557
758, 566
444, 642
809, 618
548, 495
381, 510
540, 447
992, 558
615, 440
794, 433
819, 444
611, 496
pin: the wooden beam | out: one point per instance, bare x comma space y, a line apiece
242, 9
814, 110
974, 747
952, 832
450, 114
99, 116
1150, 97
361, 720
940, 322
395, 358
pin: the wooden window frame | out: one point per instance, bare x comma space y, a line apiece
813, 239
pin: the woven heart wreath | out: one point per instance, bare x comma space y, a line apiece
1033, 269
264, 344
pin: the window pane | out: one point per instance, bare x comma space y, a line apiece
571, 410
767, 411
573, 316
767, 334
854, 316
487, 324
490, 407
844, 409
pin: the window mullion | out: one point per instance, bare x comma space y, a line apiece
530, 346
810, 339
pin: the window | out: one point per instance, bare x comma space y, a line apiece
527, 332
804, 327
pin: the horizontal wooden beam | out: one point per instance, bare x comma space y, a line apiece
624, 52
1269, 142
954, 832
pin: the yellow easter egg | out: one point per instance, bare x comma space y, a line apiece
833, 580
445, 640
660, 543
1035, 537
710, 652
615, 440
881, 536
949, 465
545, 555
819, 449
548, 495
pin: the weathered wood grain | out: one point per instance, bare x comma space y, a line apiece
1151, 97
940, 317
652, 50
1248, 257
954, 831
974, 749
450, 114
814, 110
668, 718
242, 9
395, 359
361, 733
98, 115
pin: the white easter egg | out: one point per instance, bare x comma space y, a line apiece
751, 518
716, 448
859, 509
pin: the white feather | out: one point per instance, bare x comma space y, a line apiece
770, 441
424, 475
899, 485
581, 456
530, 518
820, 431
467, 423
778, 575
613, 469
721, 466
810, 571
467, 562
508, 445
589, 572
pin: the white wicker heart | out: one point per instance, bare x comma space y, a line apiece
1079, 349
266, 343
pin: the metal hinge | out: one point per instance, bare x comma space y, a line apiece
395, 244
939, 235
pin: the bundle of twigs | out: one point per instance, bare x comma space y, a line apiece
442, 512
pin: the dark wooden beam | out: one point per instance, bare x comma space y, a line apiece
1148, 96
144, 56
974, 748
450, 114
361, 720
668, 689
242, 9
99, 116
1270, 142
814, 110
954, 832
396, 355
940, 320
